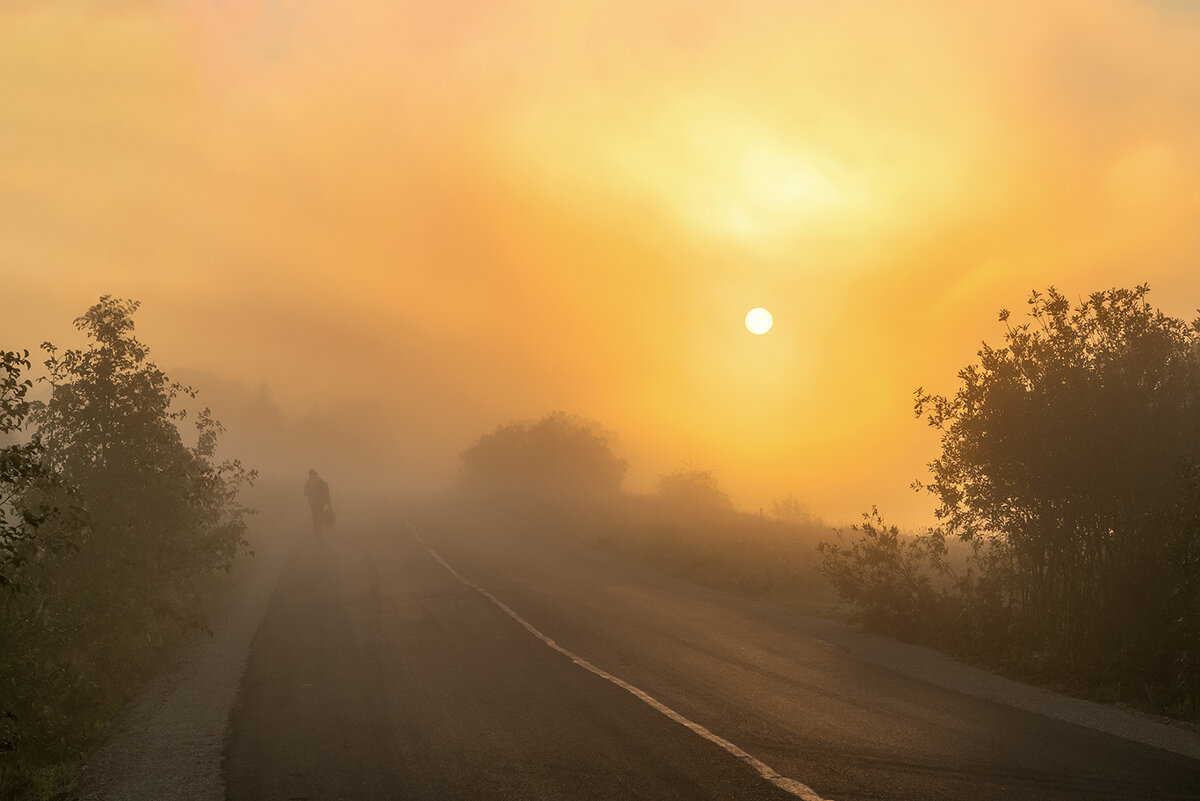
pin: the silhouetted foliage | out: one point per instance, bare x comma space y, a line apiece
891, 578
790, 510
22, 474
91, 619
558, 455
1070, 462
692, 487
159, 509
21, 471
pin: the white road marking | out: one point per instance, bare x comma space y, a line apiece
798, 789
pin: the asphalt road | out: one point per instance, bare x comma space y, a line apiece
378, 673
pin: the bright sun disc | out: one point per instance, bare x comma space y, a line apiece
759, 321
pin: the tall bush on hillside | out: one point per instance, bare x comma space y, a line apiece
1070, 465
790, 510
160, 515
693, 488
558, 455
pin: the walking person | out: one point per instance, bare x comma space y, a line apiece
317, 492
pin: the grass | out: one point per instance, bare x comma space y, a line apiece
745, 554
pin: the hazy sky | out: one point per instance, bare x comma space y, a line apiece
456, 215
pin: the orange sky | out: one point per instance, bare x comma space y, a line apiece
462, 214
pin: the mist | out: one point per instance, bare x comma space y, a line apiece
380, 416
427, 223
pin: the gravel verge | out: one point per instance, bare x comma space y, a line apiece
170, 743
943, 671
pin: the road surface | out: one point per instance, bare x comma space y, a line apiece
381, 671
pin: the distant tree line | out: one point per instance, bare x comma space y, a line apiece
109, 524
1068, 500
571, 458
561, 473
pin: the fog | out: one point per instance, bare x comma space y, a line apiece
369, 236
508, 498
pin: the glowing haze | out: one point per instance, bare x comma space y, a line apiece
441, 216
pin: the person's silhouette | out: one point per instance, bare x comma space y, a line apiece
317, 492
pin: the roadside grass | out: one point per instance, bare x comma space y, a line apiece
745, 554
758, 558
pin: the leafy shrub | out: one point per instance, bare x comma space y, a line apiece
22, 476
694, 488
559, 455
890, 578
1070, 465
85, 624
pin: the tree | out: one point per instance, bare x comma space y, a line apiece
159, 510
25, 481
20, 467
558, 455
1069, 460
90, 620
694, 488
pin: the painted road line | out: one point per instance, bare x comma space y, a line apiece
798, 789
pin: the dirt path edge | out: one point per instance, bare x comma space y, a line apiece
170, 743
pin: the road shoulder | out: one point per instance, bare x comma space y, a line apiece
170, 743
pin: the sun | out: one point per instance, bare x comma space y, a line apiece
759, 321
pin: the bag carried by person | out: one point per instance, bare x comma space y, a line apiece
327, 517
